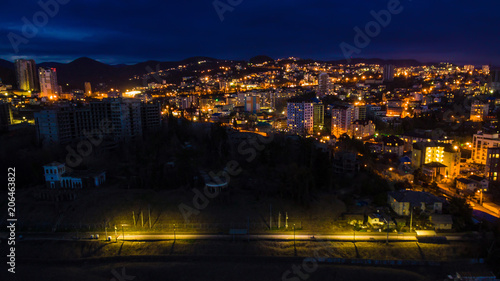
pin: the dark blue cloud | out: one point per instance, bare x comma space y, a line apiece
128, 31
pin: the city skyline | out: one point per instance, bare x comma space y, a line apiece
131, 33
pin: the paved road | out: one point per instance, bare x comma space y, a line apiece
475, 206
360, 236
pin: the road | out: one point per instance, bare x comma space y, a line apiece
475, 206
129, 236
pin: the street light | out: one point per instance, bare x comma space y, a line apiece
480, 191
174, 232
294, 235
387, 239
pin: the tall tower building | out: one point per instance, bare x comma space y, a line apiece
495, 80
389, 72
318, 117
88, 89
323, 84
300, 116
342, 118
27, 78
48, 82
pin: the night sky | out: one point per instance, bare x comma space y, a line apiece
125, 31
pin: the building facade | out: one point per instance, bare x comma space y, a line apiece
48, 82
57, 177
403, 201
323, 84
445, 154
492, 171
88, 89
27, 75
115, 119
318, 117
362, 129
300, 117
388, 72
481, 143
479, 111
342, 119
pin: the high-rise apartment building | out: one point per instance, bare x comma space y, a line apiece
26, 74
88, 89
115, 119
300, 116
48, 82
323, 84
343, 116
492, 171
389, 72
481, 143
318, 117
495, 80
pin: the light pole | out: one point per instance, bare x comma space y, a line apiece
293, 235
411, 218
174, 232
354, 233
387, 240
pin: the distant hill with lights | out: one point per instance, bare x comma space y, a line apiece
74, 74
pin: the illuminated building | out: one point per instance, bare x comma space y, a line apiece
486, 69
422, 136
27, 76
48, 82
492, 171
469, 68
88, 89
389, 72
252, 104
444, 154
392, 145
342, 118
479, 111
403, 201
394, 108
362, 129
323, 84
300, 116
115, 119
481, 143
318, 116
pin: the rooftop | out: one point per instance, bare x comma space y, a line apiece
414, 197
